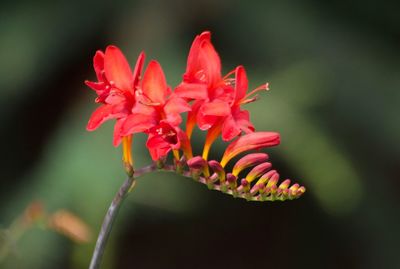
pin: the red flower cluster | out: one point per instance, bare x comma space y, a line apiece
147, 104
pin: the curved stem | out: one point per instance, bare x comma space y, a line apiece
112, 214
108, 222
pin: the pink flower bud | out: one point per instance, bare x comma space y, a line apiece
285, 184
248, 142
218, 169
249, 160
273, 180
197, 163
264, 179
258, 171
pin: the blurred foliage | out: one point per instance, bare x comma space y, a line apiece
334, 76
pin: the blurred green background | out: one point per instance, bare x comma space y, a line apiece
334, 73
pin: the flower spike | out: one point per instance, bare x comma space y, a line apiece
213, 103
147, 104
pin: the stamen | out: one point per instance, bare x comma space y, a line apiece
260, 88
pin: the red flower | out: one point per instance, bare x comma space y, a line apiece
203, 83
217, 99
160, 110
116, 89
239, 120
162, 138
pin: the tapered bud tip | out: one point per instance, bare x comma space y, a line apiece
251, 141
273, 180
258, 171
215, 166
197, 162
244, 182
249, 160
231, 178
285, 184
293, 189
301, 190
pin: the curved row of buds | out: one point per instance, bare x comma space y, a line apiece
261, 183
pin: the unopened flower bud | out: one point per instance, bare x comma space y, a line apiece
218, 169
258, 171
231, 178
300, 191
197, 163
244, 185
273, 180
285, 184
293, 190
249, 160
232, 183
265, 178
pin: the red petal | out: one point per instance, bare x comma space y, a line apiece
117, 69
162, 139
140, 108
97, 86
176, 105
154, 83
192, 62
241, 83
230, 129
157, 147
136, 123
205, 122
98, 64
242, 119
138, 69
211, 62
215, 108
203, 63
115, 97
196, 91
117, 132
103, 113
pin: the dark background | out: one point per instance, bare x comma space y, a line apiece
334, 73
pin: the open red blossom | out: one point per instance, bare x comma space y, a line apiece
116, 89
160, 109
217, 99
162, 138
203, 83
